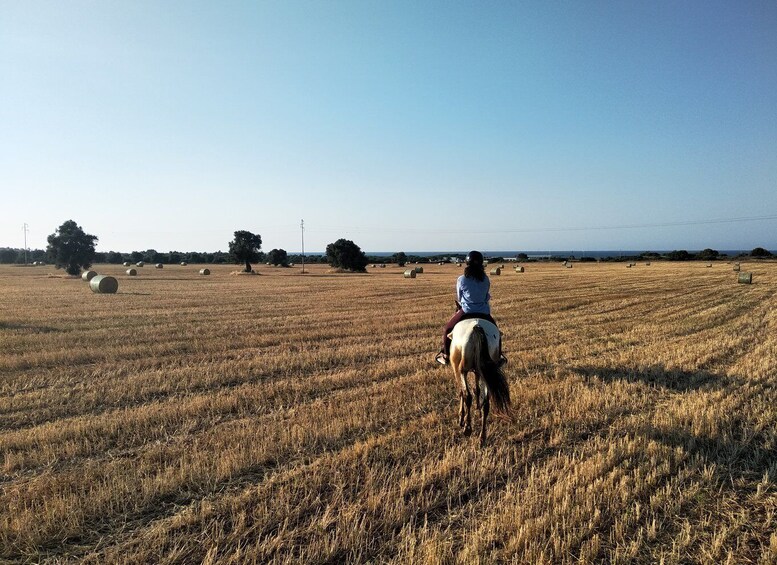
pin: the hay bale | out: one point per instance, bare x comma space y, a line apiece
745, 278
132, 272
485, 263
204, 271
569, 265
126, 263
502, 266
647, 264
519, 269
104, 284
372, 266
139, 264
382, 265
419, 270
709, 265
410, 274
88, 275
496, 271
159, 266
736, 268
183, 263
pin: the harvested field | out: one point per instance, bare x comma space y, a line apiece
293, 418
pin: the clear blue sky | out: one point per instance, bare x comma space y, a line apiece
400, 125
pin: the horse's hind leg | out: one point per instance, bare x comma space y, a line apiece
477, 392
483, 418
464, 406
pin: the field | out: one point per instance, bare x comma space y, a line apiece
289, 418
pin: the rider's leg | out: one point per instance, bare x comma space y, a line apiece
446, 341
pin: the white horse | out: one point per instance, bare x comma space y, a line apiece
475, 347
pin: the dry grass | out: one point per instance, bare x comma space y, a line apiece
289, 418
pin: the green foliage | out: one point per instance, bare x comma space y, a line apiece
681, 255
400, 258
760, 252
707, 254
8, 255
71, 248
278, 257
114, 257
345, 254
245, 248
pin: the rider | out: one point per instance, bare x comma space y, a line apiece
472, 297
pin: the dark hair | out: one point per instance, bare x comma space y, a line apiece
474, 268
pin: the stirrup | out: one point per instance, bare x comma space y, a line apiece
441, 358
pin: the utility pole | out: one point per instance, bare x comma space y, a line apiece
25, 229
302, 227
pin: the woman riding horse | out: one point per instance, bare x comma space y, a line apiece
472, 300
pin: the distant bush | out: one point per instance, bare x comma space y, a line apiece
681, 255
760, 252
278, 257
345, 254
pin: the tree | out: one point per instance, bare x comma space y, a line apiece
8, 255
136, 256
245, 248
278, 257
345, 254
400, 258
114, 257
708, 254
760, 252
681, 255
70, 247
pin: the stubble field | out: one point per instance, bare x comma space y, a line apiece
289, 418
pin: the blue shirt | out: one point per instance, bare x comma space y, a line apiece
473, 294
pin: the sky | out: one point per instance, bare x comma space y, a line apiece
399, 125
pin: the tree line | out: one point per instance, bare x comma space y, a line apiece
71, 248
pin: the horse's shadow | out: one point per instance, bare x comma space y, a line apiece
28, 327
660, 377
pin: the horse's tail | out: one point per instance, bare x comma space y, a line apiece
491, 373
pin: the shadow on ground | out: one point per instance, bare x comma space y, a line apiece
660, 376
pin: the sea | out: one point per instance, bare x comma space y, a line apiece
539, 254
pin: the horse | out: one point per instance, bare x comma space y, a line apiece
475, 347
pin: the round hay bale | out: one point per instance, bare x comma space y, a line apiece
104, 284
132, 272
382, 265
709, 265
159, 266
745, 278
419, 270
184, 263
519, 269
139, 264
204, 271
126, 263
372, 266
736, 268
569, 265
88, 275
496, 271
647, 264
502, 266
410, 274
485, 263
